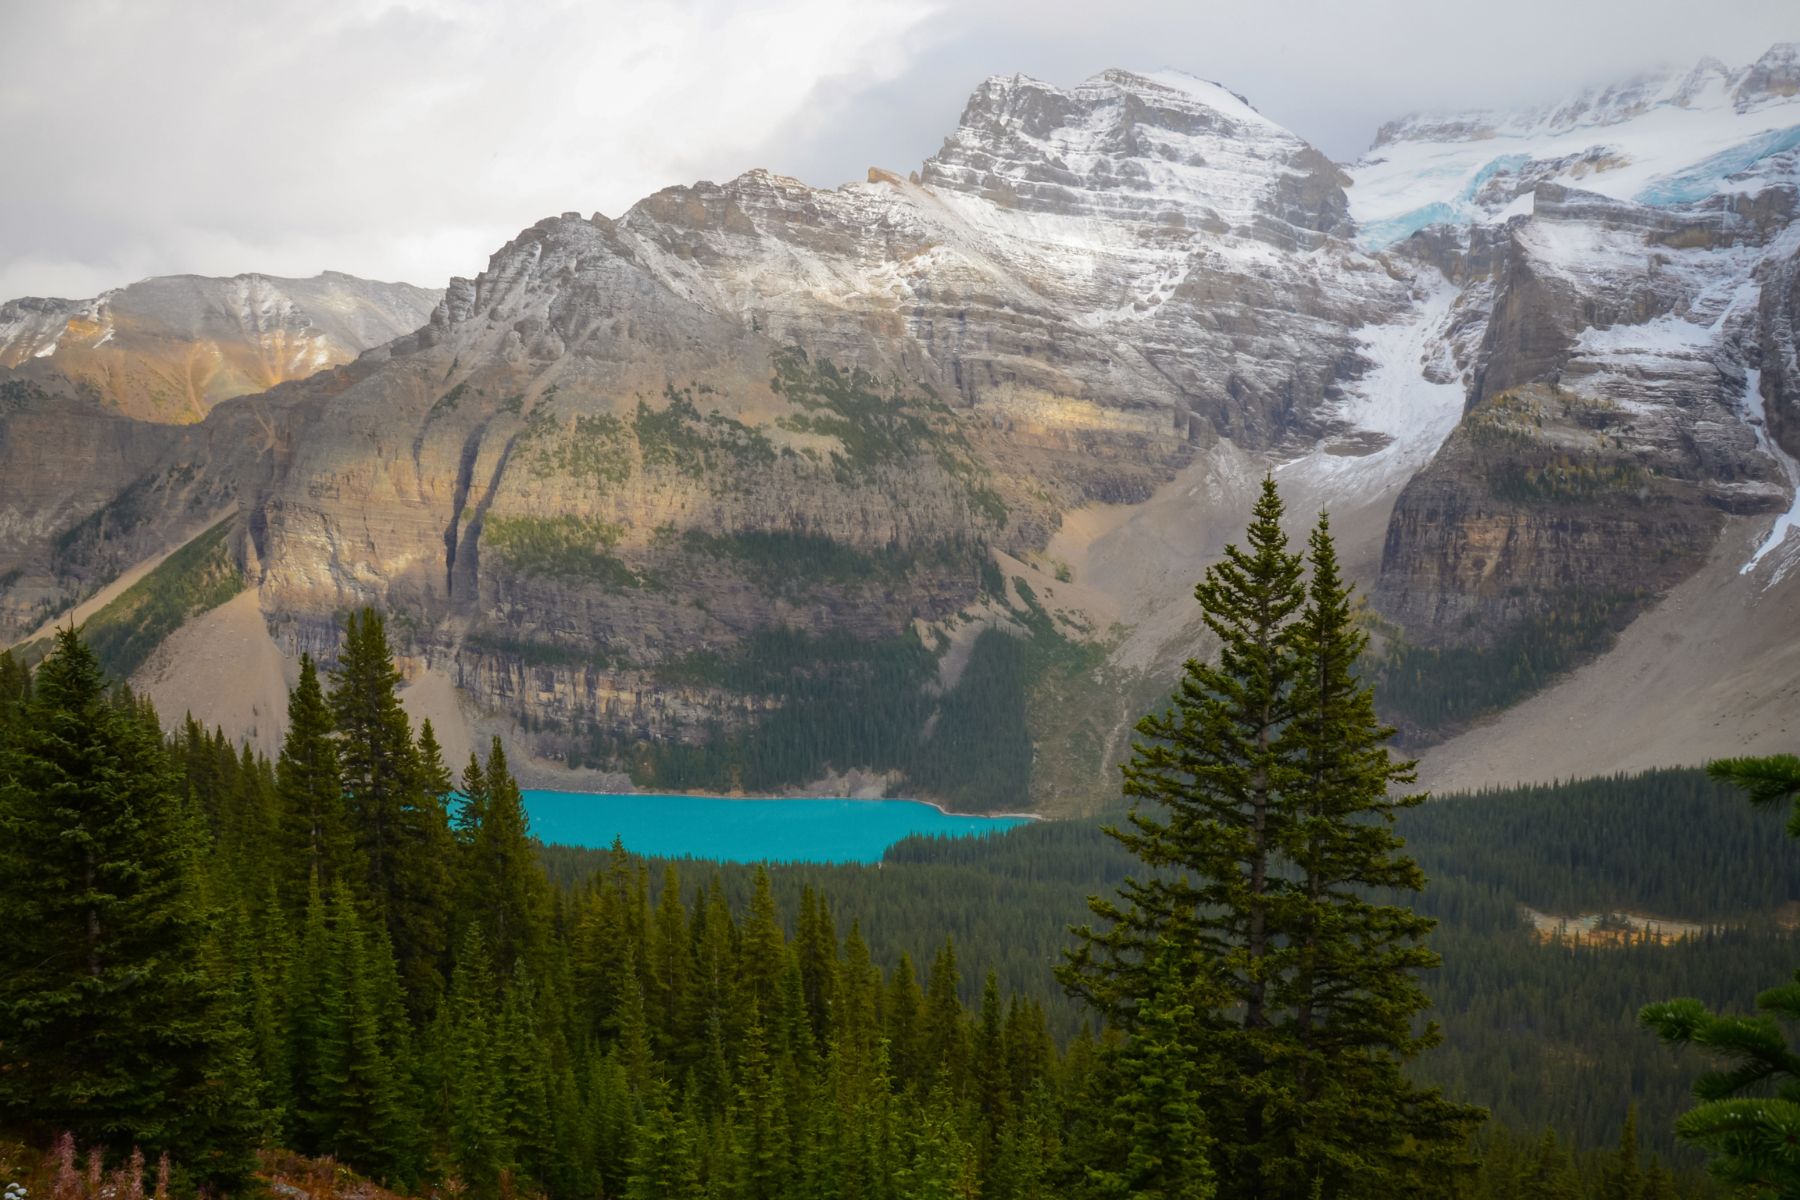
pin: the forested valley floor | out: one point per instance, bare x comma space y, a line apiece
352, 956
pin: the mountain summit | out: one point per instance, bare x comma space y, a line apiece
647, 487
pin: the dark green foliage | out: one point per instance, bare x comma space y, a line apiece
977, 756
196, 578
873, 430
15, 688
1539, 1033
314, 832
1262, 814
362, 1107
446, 403
993, 579
1748, 1118
1351, 980
129, 510
848, 702
1765, 782
730, 1042
1430, 691
402, 834
1566, 478
563, 546
1614, 844
799, 563
845, 702
110, 1023
503, 893
1152, 1142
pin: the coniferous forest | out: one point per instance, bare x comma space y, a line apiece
1278, 974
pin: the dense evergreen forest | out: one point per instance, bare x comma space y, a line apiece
352, 952
1515, 1007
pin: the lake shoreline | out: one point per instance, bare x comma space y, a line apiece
703, 795
824, 829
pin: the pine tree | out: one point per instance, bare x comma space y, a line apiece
1624, 1177
505, 894
114, 1028
364, 1110
1261, 808
307, 1031
663, 1153
671, 964
472, 792
905, 1013
524, 1080
993, 1086
1552, 1174
1154, 1144
470, 1104
762, 1121
1352, 1124
15, 688
401, 830
816, 948
764, 956
1212, 762
314, 832
434, 776
943, 1042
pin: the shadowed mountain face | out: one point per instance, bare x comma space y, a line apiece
646, 484
169, 348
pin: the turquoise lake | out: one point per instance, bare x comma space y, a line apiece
825, 831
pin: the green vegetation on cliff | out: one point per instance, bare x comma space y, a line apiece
564, 547
840, 702
790, 563
1431, 690
197, 578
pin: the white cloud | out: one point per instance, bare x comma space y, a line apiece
412, 138
402, 141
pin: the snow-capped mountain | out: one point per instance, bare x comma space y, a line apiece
1665, 138
1539, 365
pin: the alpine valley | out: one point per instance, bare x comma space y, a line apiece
763, 487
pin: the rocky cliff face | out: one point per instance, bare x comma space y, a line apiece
649, 482
1614, 343
169, 348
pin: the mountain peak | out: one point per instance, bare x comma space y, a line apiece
1148, 146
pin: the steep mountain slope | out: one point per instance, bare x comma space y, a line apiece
647, 482
171, 347
1613, 342
727, 491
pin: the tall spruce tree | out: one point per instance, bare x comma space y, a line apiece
504, 892
1351, 1124
111, 1024
314, 832
1262, 812
365, 1111
1207, 780
402, 830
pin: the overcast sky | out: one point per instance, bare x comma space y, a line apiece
409, 139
